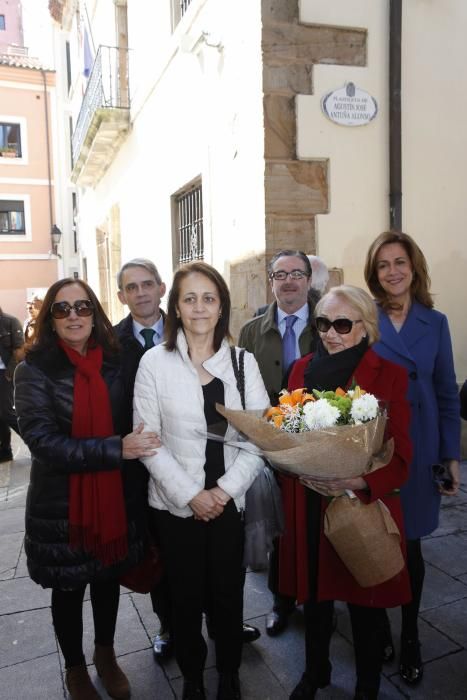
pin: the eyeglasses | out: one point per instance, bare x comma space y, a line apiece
62, 309
340, 325
282, 275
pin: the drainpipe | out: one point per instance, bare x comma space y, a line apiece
395, 144
47, 141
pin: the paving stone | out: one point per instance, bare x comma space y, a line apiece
452, 520
447, 554
13, 521
443, 679
37, 679
451, 620
10, 550
21, 569
21, 594
26, 635
146, 678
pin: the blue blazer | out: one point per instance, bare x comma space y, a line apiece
423, 347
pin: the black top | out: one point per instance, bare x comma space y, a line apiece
214, 466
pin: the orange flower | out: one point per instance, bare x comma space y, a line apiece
273, 411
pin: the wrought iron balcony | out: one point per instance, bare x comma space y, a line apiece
104, 117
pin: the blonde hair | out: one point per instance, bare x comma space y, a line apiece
361, 302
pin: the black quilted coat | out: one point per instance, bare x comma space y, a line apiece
44, 402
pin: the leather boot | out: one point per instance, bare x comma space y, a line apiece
113, 679
79, 683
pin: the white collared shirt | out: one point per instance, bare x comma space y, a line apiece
158, 329
299, 325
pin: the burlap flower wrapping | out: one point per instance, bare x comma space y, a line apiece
342, 451
365, 536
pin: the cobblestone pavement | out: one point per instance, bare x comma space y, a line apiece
31, 667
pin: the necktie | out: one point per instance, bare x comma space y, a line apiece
148, 335
288, 343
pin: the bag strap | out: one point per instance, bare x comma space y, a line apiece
239, 371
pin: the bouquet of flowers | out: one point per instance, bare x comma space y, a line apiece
322, 433
299, 411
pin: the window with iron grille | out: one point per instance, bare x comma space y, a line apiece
10, 140
189, 236
11, 217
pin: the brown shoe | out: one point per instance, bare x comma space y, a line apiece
79, 684
114, 680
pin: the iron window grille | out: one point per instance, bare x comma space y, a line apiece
11, 217
190, 234
10, 140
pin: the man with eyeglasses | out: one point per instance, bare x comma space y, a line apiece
281, 335
11, 344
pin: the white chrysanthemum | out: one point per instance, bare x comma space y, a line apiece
320, 414
364, 409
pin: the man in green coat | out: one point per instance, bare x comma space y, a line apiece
281, 335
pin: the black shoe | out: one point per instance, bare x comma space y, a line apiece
276, 622
162, 646
306, 689
6, 455
193, 690
250, 633
229, 686
411, 664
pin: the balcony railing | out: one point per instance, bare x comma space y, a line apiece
107, 89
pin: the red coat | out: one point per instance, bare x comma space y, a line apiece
388, 382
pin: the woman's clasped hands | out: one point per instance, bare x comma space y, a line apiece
140, 444
209, 503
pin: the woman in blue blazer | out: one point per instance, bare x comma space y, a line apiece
417, 337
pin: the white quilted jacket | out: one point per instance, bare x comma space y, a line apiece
168, 399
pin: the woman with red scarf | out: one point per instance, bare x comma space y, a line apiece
80, 527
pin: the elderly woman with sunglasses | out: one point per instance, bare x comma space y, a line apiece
346, 320
80, 527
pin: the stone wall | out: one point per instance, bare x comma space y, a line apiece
295, 190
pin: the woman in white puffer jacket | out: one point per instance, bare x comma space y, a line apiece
197, 486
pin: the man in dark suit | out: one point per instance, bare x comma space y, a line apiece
281, 335
141, 288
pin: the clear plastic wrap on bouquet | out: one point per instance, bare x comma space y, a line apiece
343, 451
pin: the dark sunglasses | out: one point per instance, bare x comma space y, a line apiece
62, 309
340, 325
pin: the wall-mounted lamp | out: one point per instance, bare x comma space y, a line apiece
55, 235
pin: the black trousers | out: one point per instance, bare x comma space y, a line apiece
366, 631
367, 623
7, 415
416, 567
204, 563
67, 616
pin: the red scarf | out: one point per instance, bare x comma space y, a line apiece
97, 516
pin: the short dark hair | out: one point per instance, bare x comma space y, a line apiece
293, 254
172, 323
420, 287
44, 336
139, 262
